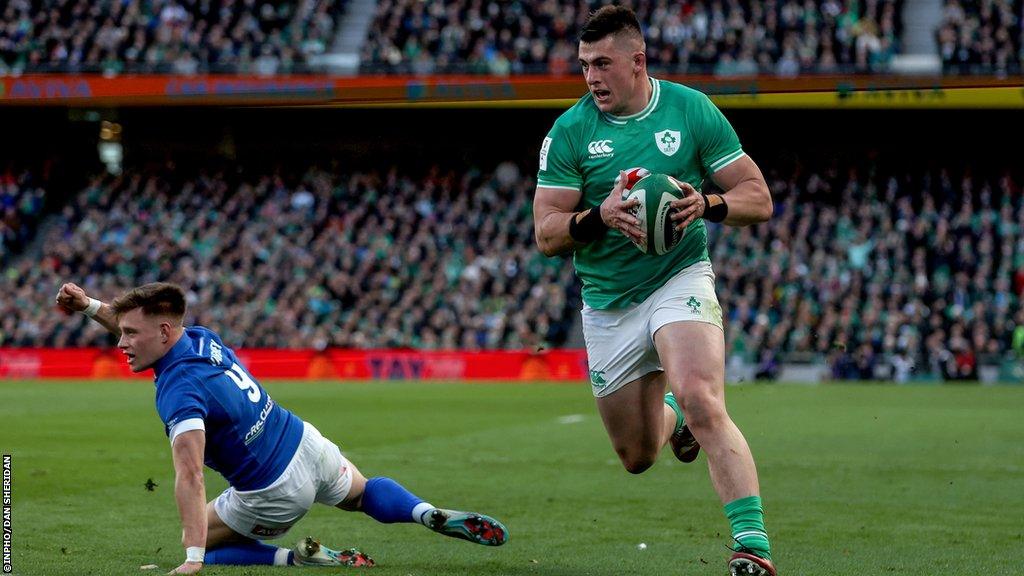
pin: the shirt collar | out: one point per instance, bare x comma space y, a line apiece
648, 109
180, 348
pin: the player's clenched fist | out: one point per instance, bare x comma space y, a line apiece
689, 207
622, 215
72, 298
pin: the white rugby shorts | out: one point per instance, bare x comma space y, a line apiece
317, 473
620, 342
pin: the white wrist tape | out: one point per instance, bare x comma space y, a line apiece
93, 308
195, 553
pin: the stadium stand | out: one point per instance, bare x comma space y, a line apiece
734, 37
720, 37
886, 274
167, 36
22, 200
883, 274
981, 37
360, 260
725, 38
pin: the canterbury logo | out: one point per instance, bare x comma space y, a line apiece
601, 147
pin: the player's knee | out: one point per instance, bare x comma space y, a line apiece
638, 466
703, 410
636, 462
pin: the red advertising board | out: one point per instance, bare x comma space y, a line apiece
101, 363
527, 90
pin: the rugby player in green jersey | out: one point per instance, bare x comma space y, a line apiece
651, 321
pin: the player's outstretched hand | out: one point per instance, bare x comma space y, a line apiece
689, 207
72, 298
622, 215
187, 568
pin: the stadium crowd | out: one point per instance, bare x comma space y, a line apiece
22, 200
164, 36
724, 37
884, 274
361, 260
721, 37
981, 36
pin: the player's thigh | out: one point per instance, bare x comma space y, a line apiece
632, 415
357, 487
217, 532
358, 482
620, 351
338, 482
686, 326
270, 512
693, 355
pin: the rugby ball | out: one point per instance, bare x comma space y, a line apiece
632, 176
655, 193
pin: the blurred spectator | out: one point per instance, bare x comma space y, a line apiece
724, 37
981, 37
903, 366
843, 367
179, 36
1017, 344
864, 362
21, 204
768, 366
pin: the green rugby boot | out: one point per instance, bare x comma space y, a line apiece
471, 526
309, 552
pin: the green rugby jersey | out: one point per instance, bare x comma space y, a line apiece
680, 133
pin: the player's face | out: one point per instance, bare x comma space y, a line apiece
143, 338
614, 68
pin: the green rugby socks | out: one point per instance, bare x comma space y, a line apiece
747, 519
671, 401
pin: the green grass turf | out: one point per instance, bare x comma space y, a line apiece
857, 480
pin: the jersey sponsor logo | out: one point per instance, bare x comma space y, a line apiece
216, 353
544, 153
667, 141
600, 149
258, 427
267, 531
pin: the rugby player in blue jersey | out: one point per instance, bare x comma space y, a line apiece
276, 464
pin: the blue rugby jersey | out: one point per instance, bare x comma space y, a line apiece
249, 438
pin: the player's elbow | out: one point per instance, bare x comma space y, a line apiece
765, 207
546, 235
545, 245
546, 248
539, 240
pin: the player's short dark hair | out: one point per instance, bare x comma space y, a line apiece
155, 299
608, 20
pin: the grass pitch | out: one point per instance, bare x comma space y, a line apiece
857, 480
